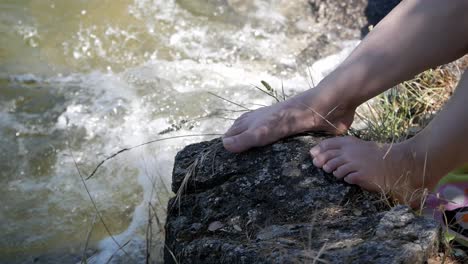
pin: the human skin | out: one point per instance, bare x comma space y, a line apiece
404, 169
415, 36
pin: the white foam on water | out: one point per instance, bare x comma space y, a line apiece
218, 78
167, 90
109, 108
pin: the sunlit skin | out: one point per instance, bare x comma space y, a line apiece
415, 36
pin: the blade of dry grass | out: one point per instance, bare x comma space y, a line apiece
172, 253
149, 235
140, 145
311, 78
84, 259
265, 92
282, 90
117, 250
98, 213
229, 101
319, 253
321, 116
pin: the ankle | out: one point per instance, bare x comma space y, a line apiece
339, 91
405, 170
415, 157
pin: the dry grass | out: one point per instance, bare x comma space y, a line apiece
156, 207
406, 109
392, 117
399, 114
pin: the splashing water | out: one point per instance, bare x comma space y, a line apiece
80, 80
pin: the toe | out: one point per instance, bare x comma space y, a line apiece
235, 129
240, 142
344, 170
244, 115
353, 178
332, 164
327, 144
323, 157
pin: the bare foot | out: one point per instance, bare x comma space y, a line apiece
392, 169
309, 111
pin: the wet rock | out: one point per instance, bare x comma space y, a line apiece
271, 205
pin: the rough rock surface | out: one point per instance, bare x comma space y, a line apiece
341, 20
271, 205
352, 14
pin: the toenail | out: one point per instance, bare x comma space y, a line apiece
315, 161
326, 168
313, 152
228, 141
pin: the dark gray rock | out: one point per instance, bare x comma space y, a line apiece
271, 205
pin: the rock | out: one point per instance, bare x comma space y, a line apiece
272, 205
318, 48
345, 14
352, 14
340, 21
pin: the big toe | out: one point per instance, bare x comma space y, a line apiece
236, 129
320, 159
240, 142
326, 145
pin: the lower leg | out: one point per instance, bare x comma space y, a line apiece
445, 140
416, 35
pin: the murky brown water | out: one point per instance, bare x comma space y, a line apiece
83, 79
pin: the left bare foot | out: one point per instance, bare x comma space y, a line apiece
393, 169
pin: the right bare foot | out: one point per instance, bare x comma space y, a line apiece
309, 111
392, 169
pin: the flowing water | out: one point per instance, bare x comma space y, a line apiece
80, 80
